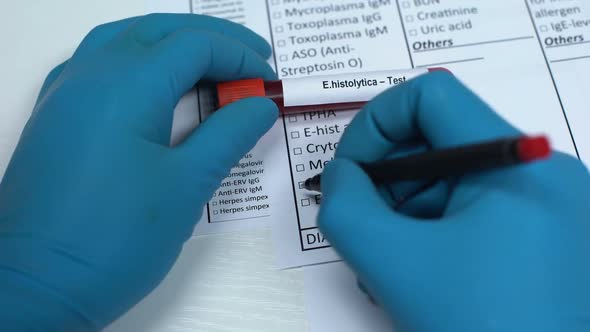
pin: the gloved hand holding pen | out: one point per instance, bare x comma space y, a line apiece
95, 206
504, 250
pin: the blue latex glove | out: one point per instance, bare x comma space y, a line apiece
504, 250
95, 206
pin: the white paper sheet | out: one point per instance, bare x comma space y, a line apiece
529, 59
214, 287
335, 303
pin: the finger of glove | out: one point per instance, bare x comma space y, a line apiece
381, 245
435, 107
102, 35
210, 55
173, 66
50, 79
354, 212
561, 181
206, 157
152, 28
423, 198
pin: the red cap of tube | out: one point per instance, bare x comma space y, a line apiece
228, 92
533, 148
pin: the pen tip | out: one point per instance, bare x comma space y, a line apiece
307, 184
312, 184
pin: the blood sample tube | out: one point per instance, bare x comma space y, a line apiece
318, 93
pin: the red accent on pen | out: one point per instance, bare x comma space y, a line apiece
533, 148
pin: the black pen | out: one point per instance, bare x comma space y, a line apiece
452, 161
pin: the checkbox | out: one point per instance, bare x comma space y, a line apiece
413, 32
294, 134
300, 168
215, 212
543, 28
302, 185
284, 58
279, 29
298, 151
305, 202
406, 4
409, 18
276, 2
276, 15
292, 118
281, 43
214, 203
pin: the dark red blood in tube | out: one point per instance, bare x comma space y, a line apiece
228, 92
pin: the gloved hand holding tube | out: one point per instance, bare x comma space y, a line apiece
95, 205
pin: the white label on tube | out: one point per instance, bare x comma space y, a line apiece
343, 88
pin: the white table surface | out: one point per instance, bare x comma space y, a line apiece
221, 282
